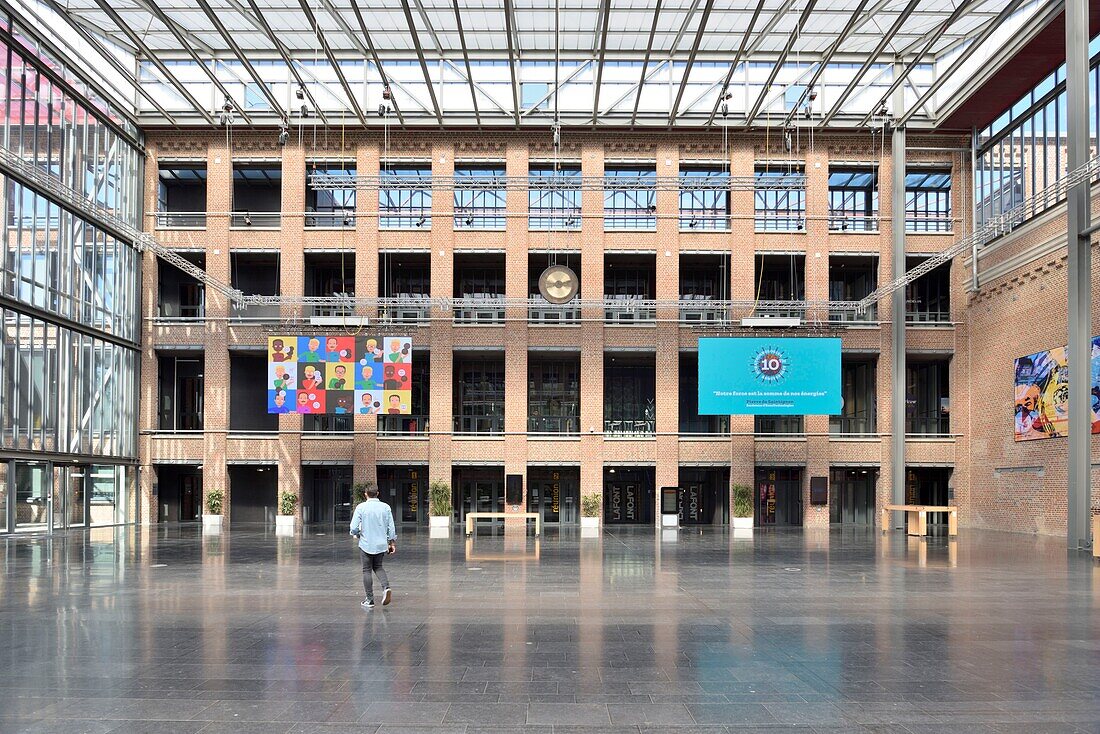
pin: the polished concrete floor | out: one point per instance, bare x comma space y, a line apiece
167, 630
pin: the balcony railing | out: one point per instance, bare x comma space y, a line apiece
642, 427
405, 308
478, 217
629, 309
260, 220
774, 222
704, 220
868, 316
402, 425
851, 425
556, 424
928, 223
181, 220
255, 312
542, 311
700, 309
330, 310
927, 426
927, 317
780, 312
841, 220
479, 308
479, 424
331, 220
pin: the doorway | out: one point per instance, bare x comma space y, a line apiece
405, 490
778, 496
479, 489
327, 494
704, 495
555, 494
33, 495
852, 496
628, 495
929, 485
179, 490
252, 493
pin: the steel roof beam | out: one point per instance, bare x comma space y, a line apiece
333, 62
154, 59
745, 49
691, 61
368, 49
420, 56
513, 54
791, 40
645, 63
601, 53
887, 37
465, 58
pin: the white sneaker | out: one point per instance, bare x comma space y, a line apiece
386, 596
367, 604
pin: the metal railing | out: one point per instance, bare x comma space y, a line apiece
927, 317
479, 308
696, 309
543, 312
870, 315
785, 182
330, 220
848, 221
180, 220
621, 309
259, 220
479, 424
402, 425
556, 424
254, 312
641, 427
405, 308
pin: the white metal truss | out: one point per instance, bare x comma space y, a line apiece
563, 182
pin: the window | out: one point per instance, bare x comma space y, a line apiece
405, 280
928, 200
330, 195
181, 195
405, 196
928, 298
780, 278
704, 198
179, 295
857, 385
927, 397
780, 198
479, 283
629, 394
1000, 190
479, 395
630, 197
629, 284
255, 273
553, 395
246, 393
330, 275
704, 284
554, 197
853, 200
480, 196
852, 278
542, 311
180, 405
778, 424
690, 420
257, 195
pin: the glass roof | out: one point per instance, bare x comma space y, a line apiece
526, 62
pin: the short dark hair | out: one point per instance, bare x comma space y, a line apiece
372, 491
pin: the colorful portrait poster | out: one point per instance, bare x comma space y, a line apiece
339, 374
1042, 393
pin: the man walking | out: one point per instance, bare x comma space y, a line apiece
372, 524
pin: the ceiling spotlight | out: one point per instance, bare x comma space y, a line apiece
383, 110
725, 109
305, 111
284, 133
386, 93
813, 95
300, 92
247, 220
727, 96
347, 220
788, 142
420, 222
469, 221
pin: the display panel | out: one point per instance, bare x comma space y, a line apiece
1042, 393
339, 374
764, 376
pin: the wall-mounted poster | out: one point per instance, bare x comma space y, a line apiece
339, 374
1042, 393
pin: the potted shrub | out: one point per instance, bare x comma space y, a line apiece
742, 507
591, 504
439, 505
288, 505
359, 492
213, 516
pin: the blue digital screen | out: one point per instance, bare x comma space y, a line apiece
767, 376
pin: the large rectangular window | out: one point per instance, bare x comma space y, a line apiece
630, 197
928, 298
542, 311
928, 397
780, 279
330, 275
179, 296
248, 395
180, 388
255, 274
181, 195
629, 394
405, 282
257, 195
405, 196
554, 196
704, 197
853, 199
480, 196
791, 425
330, 195
479, 394
630, 286
780, 198
928, 200
479, 288
553, 394
690, 420
704, 286
852, 278
858, 386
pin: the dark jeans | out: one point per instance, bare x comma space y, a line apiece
373, 562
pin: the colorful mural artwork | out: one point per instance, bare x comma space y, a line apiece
339, 375
1042, 394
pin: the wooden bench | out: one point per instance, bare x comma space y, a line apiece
473, 516
918, 517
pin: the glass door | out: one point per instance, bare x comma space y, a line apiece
33, 496
778, 497
76, 499
555, 495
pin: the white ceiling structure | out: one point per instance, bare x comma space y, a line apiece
525, 63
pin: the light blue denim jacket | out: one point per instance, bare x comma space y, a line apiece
373, 523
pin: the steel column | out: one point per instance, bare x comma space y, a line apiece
897, 324
1079, 500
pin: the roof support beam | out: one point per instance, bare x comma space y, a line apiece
645, 64
151, 55
333, 62
513, 56
854, 22
369, 48
601, 53
228, 38
791, 41
963, 57
420, 56
691, 60
870, 60
189, 46
745, 49
465, 59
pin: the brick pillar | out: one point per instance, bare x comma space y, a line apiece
515, 333
592, 330
441, 381
817, 289
219, 198
667, 358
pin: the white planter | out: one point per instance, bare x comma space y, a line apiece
739, 534
285, 521
590, 523
439, 521
742, 523
212, 520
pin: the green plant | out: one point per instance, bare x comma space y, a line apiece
288, 503
590, 505
214, 498
360, 491
439, 499
742, 501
